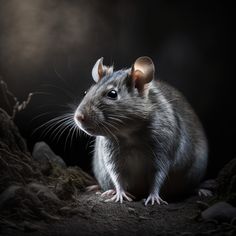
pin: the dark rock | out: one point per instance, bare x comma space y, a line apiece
71, 180
43, 192
227, 182
8, 195
221, 211
202, 205
43, 154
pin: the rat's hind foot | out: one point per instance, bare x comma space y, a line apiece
118, 196
152, 198
108, 193
93, 188
207, 188
204, 192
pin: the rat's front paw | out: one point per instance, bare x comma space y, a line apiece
119, 196
152, 198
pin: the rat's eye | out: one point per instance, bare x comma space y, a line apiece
85, 92
112, 94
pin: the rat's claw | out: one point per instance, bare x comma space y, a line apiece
204, 193
154, 197
92, 188
120, 196
109, 192
127, 196
130, 195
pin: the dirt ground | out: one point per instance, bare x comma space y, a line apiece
96, 217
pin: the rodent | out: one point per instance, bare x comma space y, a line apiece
149, 141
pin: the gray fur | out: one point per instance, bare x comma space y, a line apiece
145, 143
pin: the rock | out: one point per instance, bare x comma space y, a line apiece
8, 195
221, 211
43, 154
227, 182
43, 191
202, 205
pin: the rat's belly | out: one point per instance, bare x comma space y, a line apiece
134, 167
137, 173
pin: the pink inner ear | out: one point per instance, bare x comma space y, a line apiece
100, 70
138, 78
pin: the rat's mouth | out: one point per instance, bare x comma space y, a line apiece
90, 127
87, 128
93, 131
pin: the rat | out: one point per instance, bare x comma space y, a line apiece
149, 141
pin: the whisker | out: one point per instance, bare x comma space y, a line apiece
50, 127
44, 93
72, 136
110, 124
40, 115
59, 128
116, 119
58, 74
62, 132
44, 114
51, 121
109, 132
68, 135
69, 94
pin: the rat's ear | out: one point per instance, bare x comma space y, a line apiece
142, 72
99, 70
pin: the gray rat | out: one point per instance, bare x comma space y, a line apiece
149, 142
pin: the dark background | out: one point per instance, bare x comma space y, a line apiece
49, 47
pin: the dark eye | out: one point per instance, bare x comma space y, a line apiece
85, 92
112, 94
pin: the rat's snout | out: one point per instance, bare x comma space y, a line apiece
83, 121
80, 117
87, 119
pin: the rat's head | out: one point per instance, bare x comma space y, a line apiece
118, 101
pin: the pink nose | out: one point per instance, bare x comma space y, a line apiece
80, 117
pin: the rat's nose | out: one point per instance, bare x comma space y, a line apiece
80, 117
